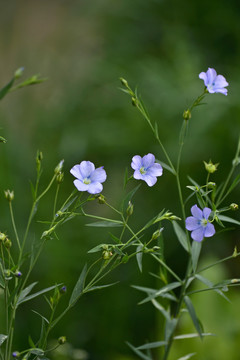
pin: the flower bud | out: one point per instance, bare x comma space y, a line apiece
234, 206
2, 236
9, 195
16, 354
210, 167
7, 243
235, 281
39, 158
18, 73
7, 273
59, 167
101, 199
63, 290
60, 177
187, 114
106, 254
156, 234
130, 209
211, 185
124, 82
134, 101
17, 274
62, 340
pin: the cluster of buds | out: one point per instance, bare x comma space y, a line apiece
101, 199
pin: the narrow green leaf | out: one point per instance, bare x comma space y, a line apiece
97, 248
169, 328
106, 223
3, 338
115, 238
128, 197
180, 235
228, 219
211, 286
165, 166
68, 204
193, 315
186, 357
45, 319
196, 249
138, 352
163, 290
3, 140
190, 336
30, 342
30, 297
159, 307
77, 291
38, 352
152, 345
6, 88
100, 287
139, 256
25, 292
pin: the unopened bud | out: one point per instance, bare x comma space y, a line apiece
130, 209
60, 177
18, 274
124, 82
134, 101
101, 199
234, 206
39, 158
18, 73
62, 340
7, 243
63, 290
211, 185
59, 167
187, 114
16, 354
156, 234
106, 254
2, 236
9, 195
210, 167
7, 273
235, 281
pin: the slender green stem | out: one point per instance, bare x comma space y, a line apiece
14, 225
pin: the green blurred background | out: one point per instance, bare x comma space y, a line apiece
83, 47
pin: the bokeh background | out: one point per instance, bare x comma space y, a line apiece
83, 47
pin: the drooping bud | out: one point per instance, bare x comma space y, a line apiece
187, 115
62, 340
234, 206
9, 195
210, 167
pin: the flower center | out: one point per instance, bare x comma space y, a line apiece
143, 170
204, 222
86, 181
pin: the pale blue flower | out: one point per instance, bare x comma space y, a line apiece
199, 223
88, 178
146, 168
213, 82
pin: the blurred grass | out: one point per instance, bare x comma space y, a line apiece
79, 113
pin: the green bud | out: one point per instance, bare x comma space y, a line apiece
106, 254
156, 234
39, 158
130, 209
2, 236
7, 243
134, 101
210, 167
234, 206
60, 177
235, 252
9, 195
7, 273
101, 199
187, 114
62, 340
17, 274
18, 73
59, 167
16, 354
211, 185
235, 281
124, 82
